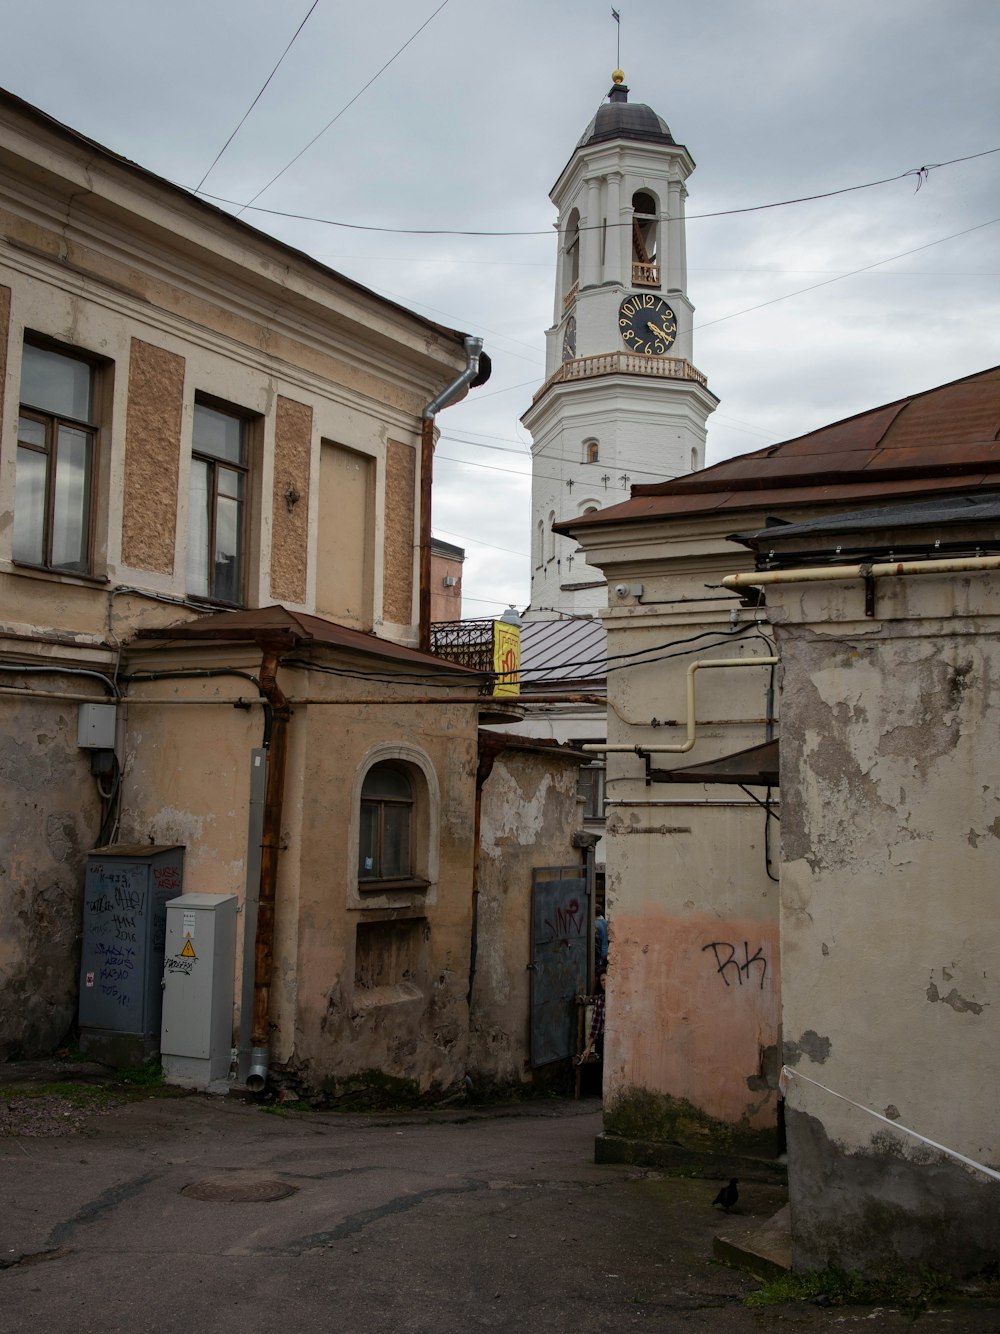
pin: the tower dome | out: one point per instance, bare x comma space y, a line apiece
618, 118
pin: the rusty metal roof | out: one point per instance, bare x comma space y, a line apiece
286, 630
944, 439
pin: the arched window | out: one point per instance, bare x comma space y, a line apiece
385, 836
539, 544
588, 507
645, 268
552, 536
395, 828
571, 257
694, 459
591, 451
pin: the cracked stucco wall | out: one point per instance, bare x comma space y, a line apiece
890, 843
529, 813
51, 816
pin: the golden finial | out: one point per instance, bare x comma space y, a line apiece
617, 76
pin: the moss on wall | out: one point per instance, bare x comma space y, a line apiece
638, 1113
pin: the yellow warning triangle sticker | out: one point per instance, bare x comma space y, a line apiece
188, 951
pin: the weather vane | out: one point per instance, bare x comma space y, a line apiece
616, 15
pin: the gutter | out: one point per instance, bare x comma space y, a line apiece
473, 353
881, 570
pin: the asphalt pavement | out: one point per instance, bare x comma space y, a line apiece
211, 1214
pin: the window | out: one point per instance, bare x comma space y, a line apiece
216, 514
591, 451
385, 845
590, 790
56, 451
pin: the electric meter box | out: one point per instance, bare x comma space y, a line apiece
126, 891
199, 970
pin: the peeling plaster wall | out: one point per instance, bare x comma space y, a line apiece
381, 978
50, 816
691, 1053
529, 814
890, 935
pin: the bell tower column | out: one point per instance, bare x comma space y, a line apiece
613, 247
590, 241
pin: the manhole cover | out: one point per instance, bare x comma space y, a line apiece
239, 1188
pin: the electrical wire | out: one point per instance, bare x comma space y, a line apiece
260, 94
921, 173
250, 203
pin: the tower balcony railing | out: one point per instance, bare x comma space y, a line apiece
570, 296
645, 275
623, 363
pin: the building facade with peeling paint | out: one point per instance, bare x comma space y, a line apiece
875, 560
212, 505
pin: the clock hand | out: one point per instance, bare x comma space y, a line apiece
660, 332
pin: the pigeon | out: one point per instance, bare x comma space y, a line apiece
727, 1196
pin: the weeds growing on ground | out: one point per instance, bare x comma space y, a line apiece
913, 1293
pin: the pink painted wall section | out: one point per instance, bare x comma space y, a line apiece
693, 1010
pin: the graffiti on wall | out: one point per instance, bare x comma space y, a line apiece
727, 957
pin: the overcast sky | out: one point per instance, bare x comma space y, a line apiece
468, 128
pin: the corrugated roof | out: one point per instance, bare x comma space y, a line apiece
557, 651
293, 629
944, 439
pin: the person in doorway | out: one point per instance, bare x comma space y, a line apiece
596, 1036
600, 941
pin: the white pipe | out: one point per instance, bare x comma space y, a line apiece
688, 744
884, 569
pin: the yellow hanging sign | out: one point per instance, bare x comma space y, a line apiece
506, 658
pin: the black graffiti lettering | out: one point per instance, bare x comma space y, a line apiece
722, 962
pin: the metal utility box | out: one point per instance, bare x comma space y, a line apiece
125, 897
199, 969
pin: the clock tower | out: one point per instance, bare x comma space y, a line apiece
622, 401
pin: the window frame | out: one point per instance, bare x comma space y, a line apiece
51, 423
383, 805
418, 890
248, 421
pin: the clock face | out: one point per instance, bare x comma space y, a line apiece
569, 339
648, 325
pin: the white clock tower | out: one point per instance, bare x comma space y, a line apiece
622, 402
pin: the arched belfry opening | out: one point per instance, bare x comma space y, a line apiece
571, 255
645, 222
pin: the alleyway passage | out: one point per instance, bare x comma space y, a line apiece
444, 1224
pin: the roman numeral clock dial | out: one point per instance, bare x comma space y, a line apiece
648, 325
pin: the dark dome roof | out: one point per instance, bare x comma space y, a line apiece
622, 119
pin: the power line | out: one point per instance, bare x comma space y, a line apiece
242, 208
921, 174
853, 273
260, 94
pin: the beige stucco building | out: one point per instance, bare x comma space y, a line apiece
214, 511
865, 619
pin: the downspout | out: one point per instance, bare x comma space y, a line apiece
276, 744
473, 350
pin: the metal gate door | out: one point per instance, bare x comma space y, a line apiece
560, 947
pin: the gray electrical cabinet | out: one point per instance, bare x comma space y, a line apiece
126, 890
199, 970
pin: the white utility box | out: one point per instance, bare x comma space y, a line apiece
198, 975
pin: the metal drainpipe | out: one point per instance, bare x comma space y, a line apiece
277, 750
473, 349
